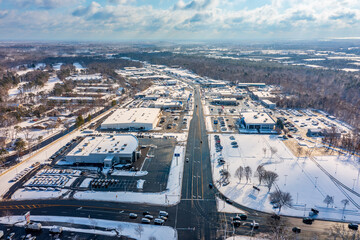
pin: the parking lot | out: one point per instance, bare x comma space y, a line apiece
102, 184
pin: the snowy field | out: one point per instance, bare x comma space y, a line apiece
115, 228
306, 182
169, 197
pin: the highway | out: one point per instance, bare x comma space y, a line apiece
195, 217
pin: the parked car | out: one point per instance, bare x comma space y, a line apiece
56, 230
254, 224
229, 201
296, 230
151, 217
163, 213
353, 226
237, 223
308, 220
158, 221
132, 215
243, 216
33, 226
145, 221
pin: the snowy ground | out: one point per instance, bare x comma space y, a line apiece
223, 206
49, 85
128, 173
305, 181
124, 228
23, 194
170, 196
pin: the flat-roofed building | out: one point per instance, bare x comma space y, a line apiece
166, 103
106, 149
269, 104
259, 121
134, 118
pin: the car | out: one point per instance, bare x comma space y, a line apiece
145, 221
163, 213
150, 217
234, 143
132, 215
235, 146
296, 230
254, 225
187, 159
146, 213
158, 221
229, 201
237, 223
275, 216
163, 218
211, 185
353, 226
56, 230
243, 216
308, 220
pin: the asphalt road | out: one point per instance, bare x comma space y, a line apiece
195, 217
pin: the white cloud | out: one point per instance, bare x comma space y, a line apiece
189, 19
47, 4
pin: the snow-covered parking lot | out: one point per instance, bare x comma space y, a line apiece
301, 177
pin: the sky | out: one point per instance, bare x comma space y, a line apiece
137, 20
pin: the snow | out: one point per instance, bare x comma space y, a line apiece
49, 85
169, 197
209, 126
86, 182
127, 229
78, 66
22, 194
140, 184
224, 207
128, 173
302, 178
57, 66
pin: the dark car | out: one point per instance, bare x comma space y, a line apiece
275, 216
132, 215
243, 216
308, 220
296, 230
211, 185
237, 223
146, 213
353, 226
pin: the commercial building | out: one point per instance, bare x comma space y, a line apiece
246, 85
165, 103
132, 119
269, 104
260, 121
225, 101
107, 149
86, 78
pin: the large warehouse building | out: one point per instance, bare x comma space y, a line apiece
132, 119
108, 150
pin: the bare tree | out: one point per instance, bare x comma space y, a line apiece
339, 231
264, 150
248, 173
273, 151
345, 202
279, 229
328, 200
280, 198
139, 229
299, 151
269, 178
260, 172
239, 173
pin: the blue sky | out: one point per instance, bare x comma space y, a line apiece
116, 20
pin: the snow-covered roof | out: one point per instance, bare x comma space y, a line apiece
133, 115
108, 144
257, 118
